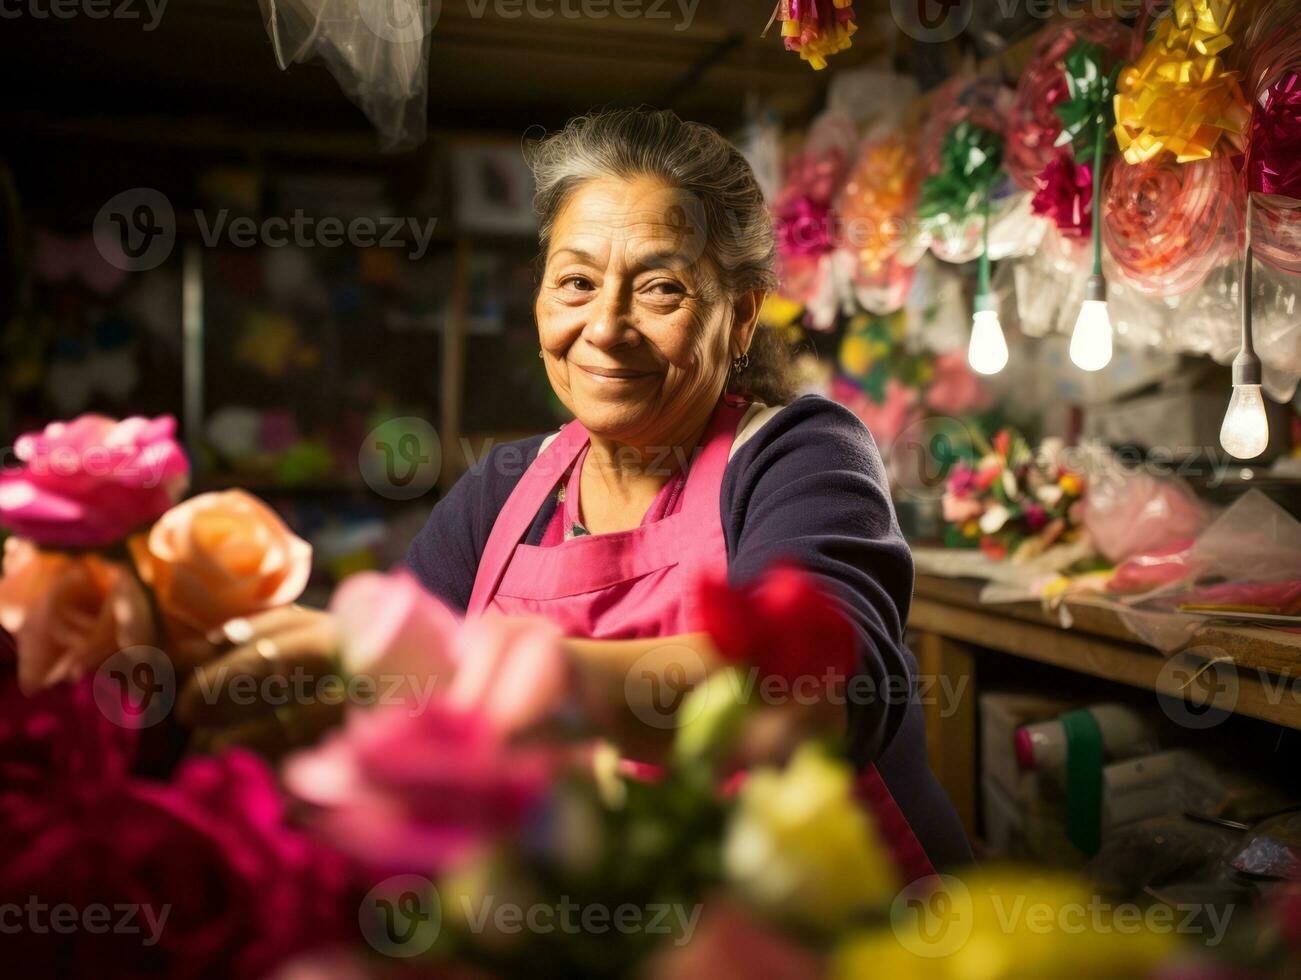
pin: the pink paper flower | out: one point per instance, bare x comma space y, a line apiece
88, 483
418, 786
957, 509
418, 791
884, 421
1065, 196
955, 389
390, 627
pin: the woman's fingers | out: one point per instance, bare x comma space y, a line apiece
274, 735
270, 671
245, 629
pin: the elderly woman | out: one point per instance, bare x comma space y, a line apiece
687, 455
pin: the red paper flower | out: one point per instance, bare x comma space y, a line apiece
1065, 196
783, 623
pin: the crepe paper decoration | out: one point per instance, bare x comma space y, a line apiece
885, 290
1167, 225
1274, 154
56, 259
986, 102
1065, 197
803, 221
816, 29
1033, 123
970, 167
1179, 96
878, 200
1092, 87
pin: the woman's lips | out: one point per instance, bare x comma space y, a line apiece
605, 375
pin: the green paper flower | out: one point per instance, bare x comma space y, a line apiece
971, 166
1092, 88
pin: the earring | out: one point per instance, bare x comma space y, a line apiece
539, 352
739, 364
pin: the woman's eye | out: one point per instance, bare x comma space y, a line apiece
665, 287
579, 284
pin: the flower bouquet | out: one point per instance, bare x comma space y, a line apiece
106, 561
1013, 502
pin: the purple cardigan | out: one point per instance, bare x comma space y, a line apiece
808, 486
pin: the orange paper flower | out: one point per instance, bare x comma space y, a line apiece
218, 556
68, 613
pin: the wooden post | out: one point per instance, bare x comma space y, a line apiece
951, 722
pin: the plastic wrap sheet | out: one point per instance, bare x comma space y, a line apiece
377, 50
1254, 541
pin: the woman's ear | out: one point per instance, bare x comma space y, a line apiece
745, 317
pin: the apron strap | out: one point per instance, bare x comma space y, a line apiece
520, 509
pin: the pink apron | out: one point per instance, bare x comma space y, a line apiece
637, 583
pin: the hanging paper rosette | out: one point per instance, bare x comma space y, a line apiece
1167, 225
803, 220
876, 207
1273, 165
986, 102
816, 29
1180, 97
1033, 123
953, 202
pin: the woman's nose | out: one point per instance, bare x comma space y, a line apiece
611, 322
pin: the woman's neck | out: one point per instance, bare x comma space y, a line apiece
620, 480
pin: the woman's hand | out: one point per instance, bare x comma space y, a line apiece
270, 682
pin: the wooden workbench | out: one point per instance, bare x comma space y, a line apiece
951, 626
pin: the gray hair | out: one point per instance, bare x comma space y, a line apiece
696, 159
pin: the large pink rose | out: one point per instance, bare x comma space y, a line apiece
392, 629
417, 791
68, 613
90, 482
220, 885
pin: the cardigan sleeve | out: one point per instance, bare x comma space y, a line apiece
810, 487
445, 555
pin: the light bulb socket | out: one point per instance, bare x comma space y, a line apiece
1246, 369
984, 303
1096, 289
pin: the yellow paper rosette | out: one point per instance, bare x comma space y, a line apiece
1180, 95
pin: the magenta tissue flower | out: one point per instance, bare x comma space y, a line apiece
90, 482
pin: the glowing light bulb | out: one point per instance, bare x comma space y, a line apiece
1245, 432
1091, 340
988, 351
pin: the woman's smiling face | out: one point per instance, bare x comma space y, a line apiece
636, 332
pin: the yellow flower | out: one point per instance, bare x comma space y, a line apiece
971, 529
800, 845
1071, 484
1005, 924
855, 354
779, 312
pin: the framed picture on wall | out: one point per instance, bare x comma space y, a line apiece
493, 188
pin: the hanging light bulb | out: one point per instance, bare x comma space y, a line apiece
1245, 432
1091, 339
987, 353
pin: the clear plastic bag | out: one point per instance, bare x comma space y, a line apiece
1129, 512
377, 50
